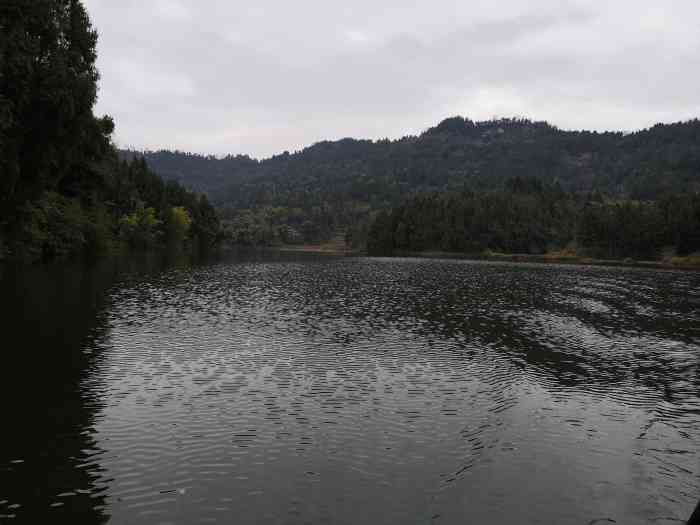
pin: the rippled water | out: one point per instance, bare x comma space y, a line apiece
323, 390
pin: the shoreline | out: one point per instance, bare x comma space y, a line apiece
313, 248
682, 263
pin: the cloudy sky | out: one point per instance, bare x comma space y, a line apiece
264, 76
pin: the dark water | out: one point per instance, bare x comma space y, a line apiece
304, 390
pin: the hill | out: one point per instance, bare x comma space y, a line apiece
339, 184
644, 164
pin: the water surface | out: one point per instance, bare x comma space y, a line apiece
296, 389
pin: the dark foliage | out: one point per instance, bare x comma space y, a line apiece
339, 185
207, 174
63, 190
530, 218
49, 85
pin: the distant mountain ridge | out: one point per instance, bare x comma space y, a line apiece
456, 152
202, 173
335, 184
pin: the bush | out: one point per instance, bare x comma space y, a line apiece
177, 224
52, 226
100, 231
141, 228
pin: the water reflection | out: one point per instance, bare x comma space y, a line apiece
296, 390
55, 326
48, 456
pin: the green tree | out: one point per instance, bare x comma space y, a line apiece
63, 189
52, 226
140, 228
177, 224
48, 89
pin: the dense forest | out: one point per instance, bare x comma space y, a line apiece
64, 189
511, 185
342, 185
529, 217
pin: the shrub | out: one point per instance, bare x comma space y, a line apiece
52, 226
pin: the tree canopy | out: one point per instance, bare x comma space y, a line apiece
527, 217
343, 184
63, 188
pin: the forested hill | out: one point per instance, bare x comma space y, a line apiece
208, 174
331, 185
455, 153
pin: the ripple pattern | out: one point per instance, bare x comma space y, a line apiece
395, 391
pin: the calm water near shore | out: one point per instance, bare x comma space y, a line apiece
291, 388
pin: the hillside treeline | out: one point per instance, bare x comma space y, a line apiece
528, 217
63, 189
338, 185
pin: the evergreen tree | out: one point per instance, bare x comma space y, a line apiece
50, 138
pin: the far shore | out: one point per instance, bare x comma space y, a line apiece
672, 263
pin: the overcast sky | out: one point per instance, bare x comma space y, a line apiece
263, 76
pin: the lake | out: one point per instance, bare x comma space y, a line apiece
271, 388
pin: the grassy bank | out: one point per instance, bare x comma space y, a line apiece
324, 249
691, 262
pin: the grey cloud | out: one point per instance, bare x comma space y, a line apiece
262, 77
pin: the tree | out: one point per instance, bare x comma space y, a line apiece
63, 190
177, 224
141, 228
206, 227
48, 87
